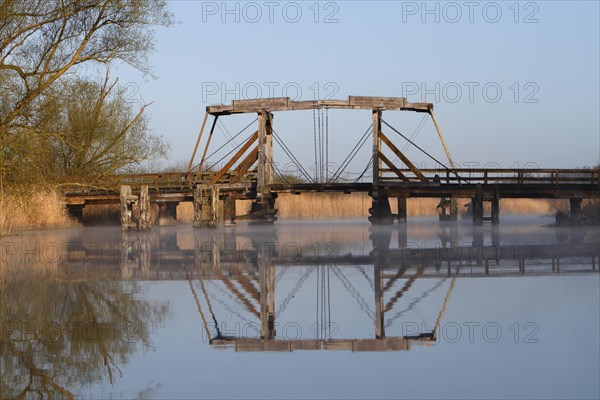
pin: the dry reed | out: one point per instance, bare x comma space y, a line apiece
43, 209
338, 205
46, 210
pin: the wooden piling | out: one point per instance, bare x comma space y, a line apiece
201, 207
206, 206
229, 210
126, 212
214, 212
575, 205
477, 202
495, 210
143, 222
402, 209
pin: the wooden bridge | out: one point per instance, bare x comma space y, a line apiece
251, 173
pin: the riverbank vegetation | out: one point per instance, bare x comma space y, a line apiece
62, 115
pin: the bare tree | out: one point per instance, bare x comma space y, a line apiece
42, 40
90, 128
44, 46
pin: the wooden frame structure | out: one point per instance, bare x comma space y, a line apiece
249, 174
262, 154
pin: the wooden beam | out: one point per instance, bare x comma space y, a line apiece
245, 165
210, 135
402, 157
265, 155
260, 104
197, 143
391, 165
377, 102
233, 160
376, 147
285, 104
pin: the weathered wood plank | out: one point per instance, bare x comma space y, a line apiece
392, 167
260, 104
233, 159
388, 103
401, 156
285, 104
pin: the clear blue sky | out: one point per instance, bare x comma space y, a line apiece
543, 56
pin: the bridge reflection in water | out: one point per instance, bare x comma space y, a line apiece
234, 276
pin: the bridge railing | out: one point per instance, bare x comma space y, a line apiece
160, 181
492, 176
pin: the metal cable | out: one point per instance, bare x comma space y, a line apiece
315, 142
231, 151
293, 158
417, 146
352, 154
236, 135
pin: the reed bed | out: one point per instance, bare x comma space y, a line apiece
339, 205
43, 209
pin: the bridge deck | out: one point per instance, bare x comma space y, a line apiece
461, 183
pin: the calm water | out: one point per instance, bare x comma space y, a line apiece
330, 309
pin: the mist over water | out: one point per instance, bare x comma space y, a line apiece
303, 310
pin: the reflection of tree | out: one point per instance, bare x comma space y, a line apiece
59, 335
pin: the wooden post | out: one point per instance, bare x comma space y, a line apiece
477, 202
380, 209
402, 209
265, 155
143, 222
575, 205
126, 212
263, 208
205, 206
376, 148
214, 214
229, 210
495, 210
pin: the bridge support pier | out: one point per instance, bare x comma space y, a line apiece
477, 207
380, 210
263, 211
206, 207
75, 211
167, 212
448, 209
135, 210
229, 210
263, 208
575, 206
495, 210
402, 209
